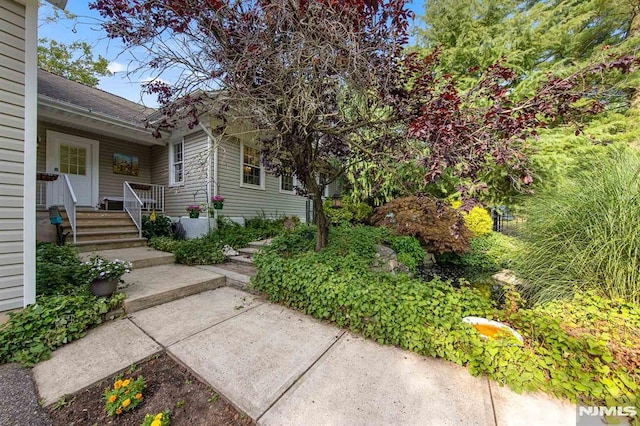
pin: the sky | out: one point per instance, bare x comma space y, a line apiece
87, 28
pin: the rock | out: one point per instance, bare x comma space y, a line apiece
386, 260
229, 251
508, 277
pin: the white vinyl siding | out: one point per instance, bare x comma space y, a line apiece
247, 202
12, 128
196, 161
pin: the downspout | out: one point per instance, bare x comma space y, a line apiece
211, 144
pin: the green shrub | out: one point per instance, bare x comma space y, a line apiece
349, 212
410, 252
199, 251
58, 269
167, 244
31, 334
160, 227
561, 354
584, 234
297, 241
489, 253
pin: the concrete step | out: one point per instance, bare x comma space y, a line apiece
97, 214
110, 234
241, 259
260, 244
114, 229
156, 285
106, 223
95, 245
248, 251
140, 257
238, 275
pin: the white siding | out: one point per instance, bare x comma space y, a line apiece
250, 202
12, 115
239, 201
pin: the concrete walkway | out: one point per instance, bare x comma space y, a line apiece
284, 368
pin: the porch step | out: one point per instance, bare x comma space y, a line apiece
140, 257
106, 235
97, 245
156, 285
91, 222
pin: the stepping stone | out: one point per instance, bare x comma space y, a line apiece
358, 382
530, 409
241, 259
183, 318
238, 275
253, 358
141, 257
101, 353
249, 251
156, 285
260, 244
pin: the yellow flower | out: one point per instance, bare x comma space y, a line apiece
117, 385
126, 403
112, 398
126, 383
156, 422
158, 416
138, 396
119, 411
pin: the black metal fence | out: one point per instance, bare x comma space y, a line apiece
505, 221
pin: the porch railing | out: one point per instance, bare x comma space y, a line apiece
133, 205
69, 201
152, 196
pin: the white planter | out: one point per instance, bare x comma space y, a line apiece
195, 228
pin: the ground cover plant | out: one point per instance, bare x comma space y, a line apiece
63, 311
207, 250
560, 354
170, 389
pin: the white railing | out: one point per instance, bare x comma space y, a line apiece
133, 205
152, 196
69, 201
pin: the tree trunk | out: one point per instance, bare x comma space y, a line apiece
322, 234
633, 31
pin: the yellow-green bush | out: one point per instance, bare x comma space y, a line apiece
477, 220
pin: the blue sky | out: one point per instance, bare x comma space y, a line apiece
87, 28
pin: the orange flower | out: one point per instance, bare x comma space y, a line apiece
126, 383
112, 398
126, 403
138, 396
119, 411
117, 385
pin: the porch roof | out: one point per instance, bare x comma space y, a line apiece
63, 101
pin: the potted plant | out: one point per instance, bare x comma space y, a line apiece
218, 202
104, 275
194, 211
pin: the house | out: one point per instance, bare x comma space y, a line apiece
18, 81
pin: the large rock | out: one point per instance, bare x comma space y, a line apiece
386, 260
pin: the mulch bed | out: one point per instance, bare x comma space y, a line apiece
169, 386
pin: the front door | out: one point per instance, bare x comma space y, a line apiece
76, 157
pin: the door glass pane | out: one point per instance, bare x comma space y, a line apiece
73, 160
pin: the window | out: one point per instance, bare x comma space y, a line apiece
252, 172
73, 160
176, 163
323, 181
288, 183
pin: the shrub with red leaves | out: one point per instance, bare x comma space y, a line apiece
438, 227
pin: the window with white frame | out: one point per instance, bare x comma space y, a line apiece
288, 183
252, 173
176, 163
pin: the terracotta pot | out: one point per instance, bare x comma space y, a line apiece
103, 287
194, 215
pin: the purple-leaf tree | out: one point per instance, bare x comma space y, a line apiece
307, 76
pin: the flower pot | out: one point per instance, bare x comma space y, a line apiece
103, 287
194, 215
218, 205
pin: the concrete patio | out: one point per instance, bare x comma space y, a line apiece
284, 368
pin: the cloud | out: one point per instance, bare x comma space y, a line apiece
115, 67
